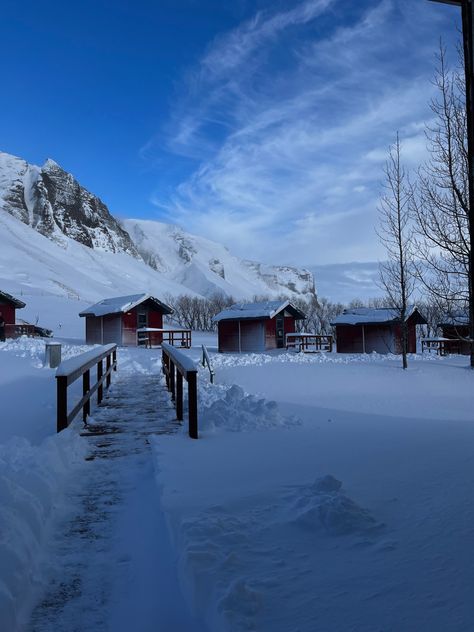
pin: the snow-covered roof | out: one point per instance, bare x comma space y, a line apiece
11, 299
372, 315
264, 309
122, 304
456, 318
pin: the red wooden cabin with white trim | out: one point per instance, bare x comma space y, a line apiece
257, 327
367, 329
117, 319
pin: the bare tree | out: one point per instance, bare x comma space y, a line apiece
395, 232
441, 199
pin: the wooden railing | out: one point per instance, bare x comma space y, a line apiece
153, 337
71, 370
206, 360
17, 330
309, 342
176, 367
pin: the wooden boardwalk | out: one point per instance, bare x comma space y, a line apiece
104, 553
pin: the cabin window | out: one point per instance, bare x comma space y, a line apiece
142, 320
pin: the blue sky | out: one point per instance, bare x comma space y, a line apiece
263, 125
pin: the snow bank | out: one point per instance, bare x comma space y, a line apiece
322, 504
230, 408
291, 357
31, 481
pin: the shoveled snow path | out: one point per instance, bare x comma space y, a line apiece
112, 567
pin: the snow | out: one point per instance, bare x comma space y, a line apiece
265, 309
120, 304
207, 267
181, 358
367, 315
70, 366
270, 539
325, 492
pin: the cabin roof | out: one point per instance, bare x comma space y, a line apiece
261, 310
8, 298
372, 315
122, 304
454, 319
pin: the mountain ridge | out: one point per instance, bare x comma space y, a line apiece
52, 202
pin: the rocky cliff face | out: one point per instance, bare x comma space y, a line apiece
52, 201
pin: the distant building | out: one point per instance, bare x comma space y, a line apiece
364, 329
117, 319
256, 326
8, 306
455, 327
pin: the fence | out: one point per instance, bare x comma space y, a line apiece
176, 367
71, 370
309, 342
17, 330
153, 337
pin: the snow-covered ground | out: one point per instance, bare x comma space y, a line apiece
269, 539
326, 492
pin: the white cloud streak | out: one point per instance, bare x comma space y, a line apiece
291, 150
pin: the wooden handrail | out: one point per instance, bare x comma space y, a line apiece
207, 360
176, 367
71, 370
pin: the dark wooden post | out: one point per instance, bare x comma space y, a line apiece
192, 404
172, 371
179, 396
166, 368
114, 358
61, 386
107, 367
86, 384
100, 390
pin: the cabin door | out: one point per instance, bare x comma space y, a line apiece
280, 331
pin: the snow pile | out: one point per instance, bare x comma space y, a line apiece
33, 349
223, 360
230, 408
322, 504
31, 481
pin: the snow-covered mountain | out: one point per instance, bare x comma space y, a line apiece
58, 240
51, 201
206, 266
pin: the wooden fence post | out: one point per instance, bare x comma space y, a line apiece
100, 390
107, 367
114, 358
192, 404
172, 380
61, 388
179, 396
86, 384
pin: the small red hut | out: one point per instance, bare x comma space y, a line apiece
118, 319
364, 330
256, 326
455, 328
8, 305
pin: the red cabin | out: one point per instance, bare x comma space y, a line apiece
8, 305
256, 326
364, 330
118, 319
455, 328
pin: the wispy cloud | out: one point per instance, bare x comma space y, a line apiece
290, 117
